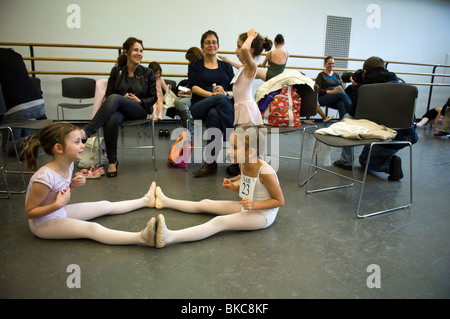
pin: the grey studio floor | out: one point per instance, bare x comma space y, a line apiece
316, 249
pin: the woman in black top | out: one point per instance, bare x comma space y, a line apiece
130, 95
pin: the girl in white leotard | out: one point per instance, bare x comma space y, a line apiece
258, 187
47, 200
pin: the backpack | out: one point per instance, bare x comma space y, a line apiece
180, 151
284, 109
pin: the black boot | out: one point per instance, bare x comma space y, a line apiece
395, 169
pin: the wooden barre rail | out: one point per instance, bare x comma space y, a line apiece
33, 72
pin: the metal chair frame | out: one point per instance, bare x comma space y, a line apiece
369, 95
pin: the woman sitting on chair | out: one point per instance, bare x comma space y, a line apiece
130, 95
331, 92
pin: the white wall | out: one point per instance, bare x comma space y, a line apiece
412, 31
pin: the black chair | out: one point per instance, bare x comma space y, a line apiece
32, 125
388, 104
173, 85
76, 88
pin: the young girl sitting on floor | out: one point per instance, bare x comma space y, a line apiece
257, 185
47, 200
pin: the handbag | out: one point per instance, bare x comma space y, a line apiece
284, 109
169, 99
91, 152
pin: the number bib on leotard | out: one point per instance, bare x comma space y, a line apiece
247, 186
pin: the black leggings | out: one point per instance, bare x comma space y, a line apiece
110, 115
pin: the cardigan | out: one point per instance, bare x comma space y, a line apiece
199, 75
323, 82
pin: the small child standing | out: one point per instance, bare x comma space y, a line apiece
258, 187
47, 200
249, 46
160, 86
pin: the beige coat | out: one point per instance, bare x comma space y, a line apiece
359, 130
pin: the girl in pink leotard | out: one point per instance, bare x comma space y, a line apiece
47, 205
249, 46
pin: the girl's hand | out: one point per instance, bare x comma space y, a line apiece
247, 203
78, 180
227, 184
252, 33
63, 197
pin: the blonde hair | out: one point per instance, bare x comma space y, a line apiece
52, 134
251, 137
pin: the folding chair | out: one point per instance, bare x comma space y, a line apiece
32, 125
388, 104
76, 88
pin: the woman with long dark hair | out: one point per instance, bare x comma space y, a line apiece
130, 95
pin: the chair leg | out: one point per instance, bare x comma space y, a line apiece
153, 144
364, 180
315, 153
301, 158
7, 191
10, 137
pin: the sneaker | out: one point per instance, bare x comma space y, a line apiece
395, 169
341, 164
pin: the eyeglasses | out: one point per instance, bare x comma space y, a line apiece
210, 42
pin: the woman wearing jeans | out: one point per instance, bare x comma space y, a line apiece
130, 95
331, 92
209, 80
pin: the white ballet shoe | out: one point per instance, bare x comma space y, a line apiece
149, 235
160, 232
158, 194
151, 195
